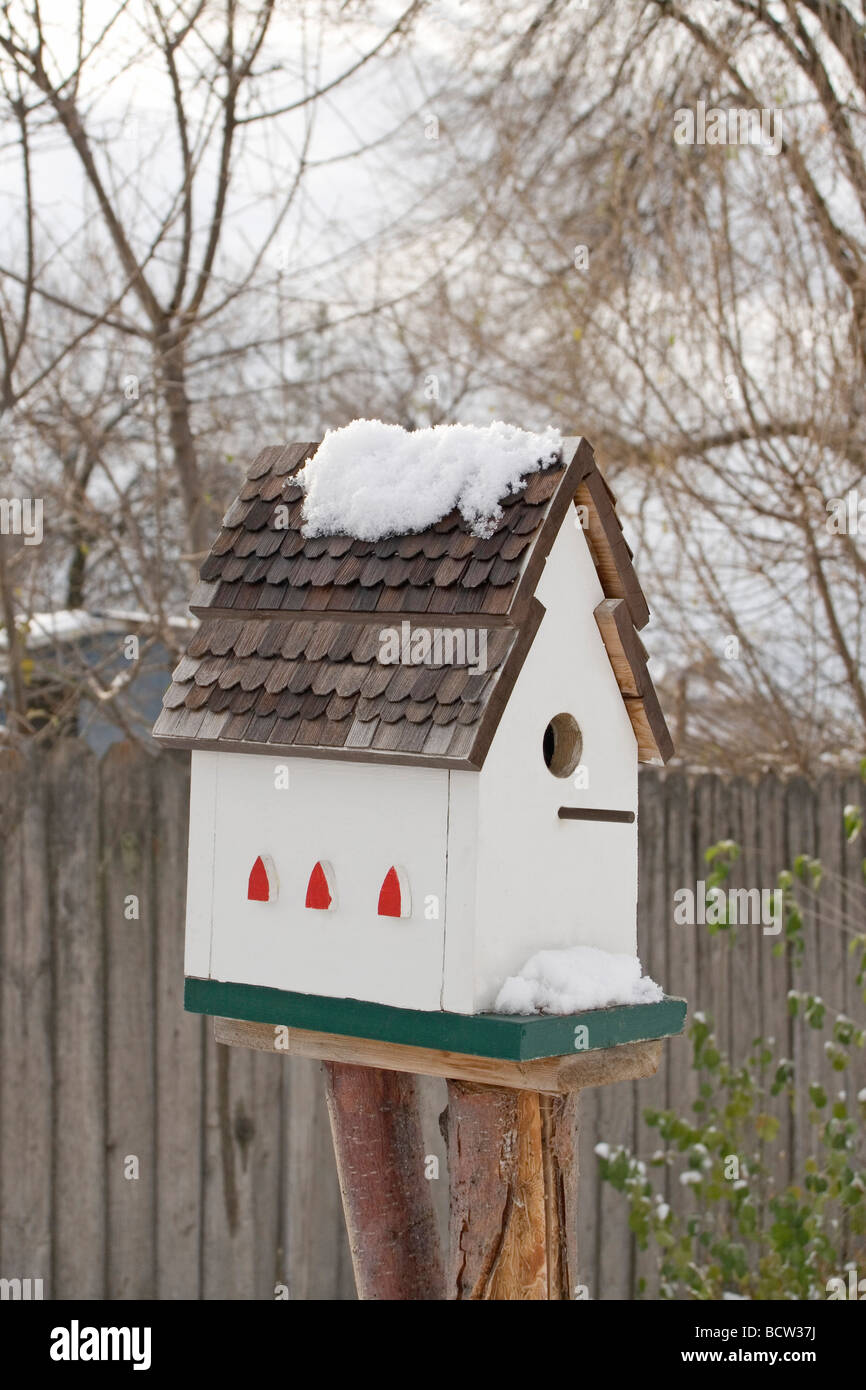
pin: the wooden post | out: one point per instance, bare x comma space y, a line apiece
512, 1159
387, 1201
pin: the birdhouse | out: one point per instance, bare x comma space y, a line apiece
416, 704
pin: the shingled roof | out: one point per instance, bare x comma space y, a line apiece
287, 657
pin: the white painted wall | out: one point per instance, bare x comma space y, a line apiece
458, 973
359, 817
542, 882
199, 879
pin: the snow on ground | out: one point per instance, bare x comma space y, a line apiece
578, 978
371, 480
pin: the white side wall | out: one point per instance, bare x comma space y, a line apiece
458, 974
542, 882
361, 818
199, 882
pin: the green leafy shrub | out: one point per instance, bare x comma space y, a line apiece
746, 1237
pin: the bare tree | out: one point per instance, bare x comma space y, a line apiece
694, 303
141, 344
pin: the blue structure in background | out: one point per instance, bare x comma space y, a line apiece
65, 647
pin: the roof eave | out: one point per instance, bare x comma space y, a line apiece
347, 755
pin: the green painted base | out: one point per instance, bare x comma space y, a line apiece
511, 1037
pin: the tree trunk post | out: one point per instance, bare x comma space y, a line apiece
388, 1204
512, 1160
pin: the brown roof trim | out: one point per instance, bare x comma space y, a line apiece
348, 755
646, 720
652, 712
627, 658
492, 716
582, 461
629, 662
608, 545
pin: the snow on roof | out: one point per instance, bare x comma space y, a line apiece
574, 979
371, 480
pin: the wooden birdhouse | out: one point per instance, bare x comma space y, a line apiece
415, 762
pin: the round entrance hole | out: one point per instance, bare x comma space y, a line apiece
562, 745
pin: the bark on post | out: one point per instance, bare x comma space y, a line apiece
559, 1120
512, 1159
378, 1143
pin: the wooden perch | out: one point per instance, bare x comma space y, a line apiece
556, 1075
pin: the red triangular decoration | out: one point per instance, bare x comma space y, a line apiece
390, 902
259, 890
318, 892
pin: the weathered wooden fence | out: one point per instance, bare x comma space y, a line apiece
138, 1159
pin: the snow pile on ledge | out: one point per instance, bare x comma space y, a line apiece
371, 479
578, 978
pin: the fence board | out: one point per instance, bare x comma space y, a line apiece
655, 916
775, 973
74, 853
853, 792
748, 944
228, 1215
751, 947
266, 1160
712, 957
128, 890
800, 820
616, 1256
319, 1261
682, 950
179, 1051
25, 1026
